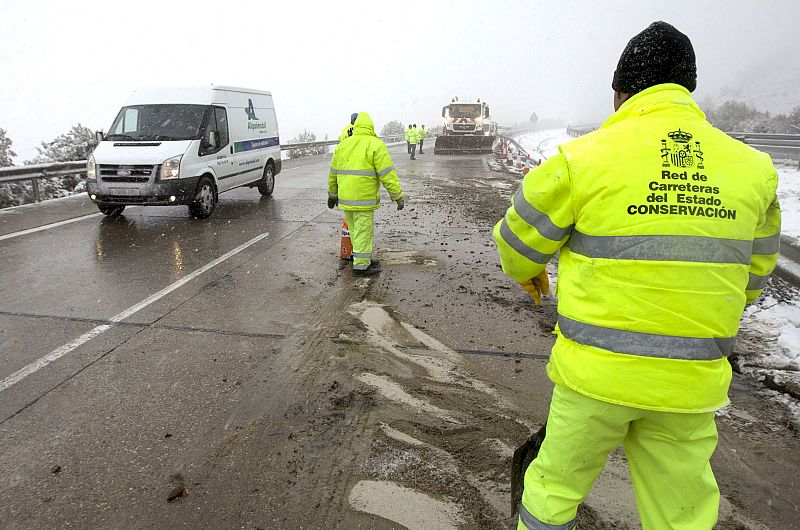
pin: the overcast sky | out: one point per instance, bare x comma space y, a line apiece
77, 61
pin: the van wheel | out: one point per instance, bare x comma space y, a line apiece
111, 211
267, 182
205, 199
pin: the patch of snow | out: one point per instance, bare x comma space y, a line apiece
394, 392
780, 321
545, 142
391, 501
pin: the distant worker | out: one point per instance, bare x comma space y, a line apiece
408, 137
348, 129
421, 134
414, 138
358, 168
658, 257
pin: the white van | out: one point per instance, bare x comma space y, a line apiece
185, 146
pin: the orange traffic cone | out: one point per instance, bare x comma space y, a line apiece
346, 248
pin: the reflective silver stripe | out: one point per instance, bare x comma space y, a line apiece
382, 172
538, 219
757, 282
646, 344
333, 195
360, 267
662, 248
362, 255
360, 203
395, 197
358, 172
767, 245
517, 244
532, 523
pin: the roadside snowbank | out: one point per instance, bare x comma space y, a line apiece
544, 142
768, 349
778, 321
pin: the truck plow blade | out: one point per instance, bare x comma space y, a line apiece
455, 145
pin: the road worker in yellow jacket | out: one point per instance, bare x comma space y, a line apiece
409, 136
421, 134
413, 138
360, 164
666, 228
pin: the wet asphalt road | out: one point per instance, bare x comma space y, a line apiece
264, 387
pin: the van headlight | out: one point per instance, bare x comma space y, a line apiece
171, 168
91, 168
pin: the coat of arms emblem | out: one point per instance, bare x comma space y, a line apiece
679, 151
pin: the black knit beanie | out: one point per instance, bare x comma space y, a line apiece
659, 54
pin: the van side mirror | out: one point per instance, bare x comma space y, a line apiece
444, 111
98, 136
213, 139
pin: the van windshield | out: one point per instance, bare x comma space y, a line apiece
158, 122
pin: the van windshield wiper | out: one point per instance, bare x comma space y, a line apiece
120, 136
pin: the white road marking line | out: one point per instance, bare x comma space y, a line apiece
40, 363
51, 225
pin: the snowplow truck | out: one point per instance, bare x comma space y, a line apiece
467, 129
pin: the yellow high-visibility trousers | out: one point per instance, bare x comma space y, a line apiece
362, 231
668, 455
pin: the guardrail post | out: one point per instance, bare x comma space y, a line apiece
36, 196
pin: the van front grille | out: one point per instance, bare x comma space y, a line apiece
123, 173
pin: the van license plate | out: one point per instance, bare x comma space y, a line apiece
125, 191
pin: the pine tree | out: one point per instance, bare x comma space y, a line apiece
305, 137
76, 144
393, 128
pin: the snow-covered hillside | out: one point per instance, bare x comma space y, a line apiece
767, 89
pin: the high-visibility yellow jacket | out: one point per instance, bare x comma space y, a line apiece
359, 166
409, 135
666, 227
421, 134
414, 135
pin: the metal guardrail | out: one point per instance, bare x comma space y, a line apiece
785, 146
511, 140
580, 130
788, 266
34, 173
41, 171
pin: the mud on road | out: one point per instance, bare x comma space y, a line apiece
385, 402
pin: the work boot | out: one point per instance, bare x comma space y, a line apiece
372, 270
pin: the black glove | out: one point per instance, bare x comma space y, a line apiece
332, 202
401, 204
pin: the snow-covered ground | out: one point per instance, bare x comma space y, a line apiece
769, 345
789, 197
545, 142
777, 320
